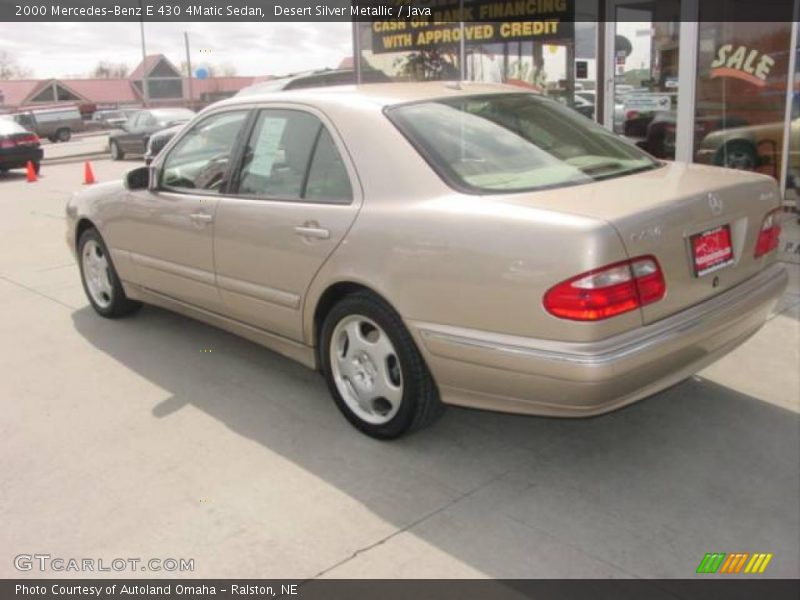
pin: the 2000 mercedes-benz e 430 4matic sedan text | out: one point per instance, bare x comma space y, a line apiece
430, 244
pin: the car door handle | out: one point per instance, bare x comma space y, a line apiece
312, 232
201, 217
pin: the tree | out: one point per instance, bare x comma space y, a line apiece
427, 65
10, 68
107, 70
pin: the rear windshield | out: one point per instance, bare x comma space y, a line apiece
514, 142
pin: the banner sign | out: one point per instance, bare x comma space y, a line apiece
485, 21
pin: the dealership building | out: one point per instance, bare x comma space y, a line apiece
663, 73
155, 82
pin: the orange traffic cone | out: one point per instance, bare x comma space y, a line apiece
31, 172
88, 173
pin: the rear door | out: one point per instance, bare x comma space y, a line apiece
294, 199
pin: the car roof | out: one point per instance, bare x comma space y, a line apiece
379, 94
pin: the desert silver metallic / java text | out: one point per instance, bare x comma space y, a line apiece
95, 271
366, 369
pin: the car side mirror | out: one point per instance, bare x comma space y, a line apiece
137, 179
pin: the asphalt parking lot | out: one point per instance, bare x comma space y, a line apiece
156, 436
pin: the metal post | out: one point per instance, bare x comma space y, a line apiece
688, 38
462, 46
357, 50
189, 68
145, 87
787, 122
609, 73
601, 96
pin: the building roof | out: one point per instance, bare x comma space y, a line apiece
15, 92
147, 65
104, 91
21, 92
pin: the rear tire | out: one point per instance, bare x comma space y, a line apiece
63, 135
37, 167
374, 370
116, 153
99, 278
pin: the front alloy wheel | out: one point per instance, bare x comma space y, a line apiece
99, 278
96, 274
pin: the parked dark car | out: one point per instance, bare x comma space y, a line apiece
158, 140
132, 138
18, 146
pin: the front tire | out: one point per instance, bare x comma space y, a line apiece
373, 369
99, 278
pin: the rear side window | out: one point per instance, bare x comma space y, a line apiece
328, 180
200, 160
291, 156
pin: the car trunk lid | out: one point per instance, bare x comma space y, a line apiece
665, 213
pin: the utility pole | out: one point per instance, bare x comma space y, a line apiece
145, 87
189, 68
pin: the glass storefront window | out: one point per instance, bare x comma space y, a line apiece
742, 70
554, 53
793, 169
381, 60
646, 44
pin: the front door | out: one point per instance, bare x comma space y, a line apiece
292, 202
169, 231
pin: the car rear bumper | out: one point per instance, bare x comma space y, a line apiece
16, 158
524, 375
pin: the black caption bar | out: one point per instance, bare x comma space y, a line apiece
429, 11
427, 589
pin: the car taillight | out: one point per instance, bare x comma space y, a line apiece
608, 291
769, 235
7, 143
28, 139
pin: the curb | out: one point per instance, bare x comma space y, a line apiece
74, 158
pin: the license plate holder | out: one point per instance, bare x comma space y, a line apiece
712, 250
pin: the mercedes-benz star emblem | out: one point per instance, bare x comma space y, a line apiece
715, 204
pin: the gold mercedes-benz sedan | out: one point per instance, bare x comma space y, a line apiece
439, 243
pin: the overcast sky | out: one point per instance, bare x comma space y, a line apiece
64, 49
